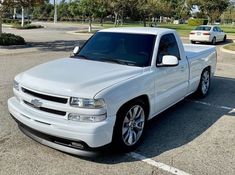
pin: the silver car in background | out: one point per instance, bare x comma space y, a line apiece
207, 33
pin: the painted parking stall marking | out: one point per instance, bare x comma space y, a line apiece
159, 165
211, 105
169, 168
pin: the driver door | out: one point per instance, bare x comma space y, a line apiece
171, 83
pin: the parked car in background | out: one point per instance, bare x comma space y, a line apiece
207, 33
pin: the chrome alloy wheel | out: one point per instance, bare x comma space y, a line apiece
133, 125
205, 82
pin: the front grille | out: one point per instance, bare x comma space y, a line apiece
52, 111
45, 97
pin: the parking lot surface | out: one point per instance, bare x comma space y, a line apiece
196, 136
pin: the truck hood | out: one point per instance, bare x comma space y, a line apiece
75, 77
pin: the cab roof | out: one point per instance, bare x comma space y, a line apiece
138, 30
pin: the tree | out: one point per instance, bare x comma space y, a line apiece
45, 10
4, 5
212, 8
102, 10
27, 4
88, 9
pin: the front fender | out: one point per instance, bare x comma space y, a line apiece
118, 94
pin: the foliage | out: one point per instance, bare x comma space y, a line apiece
213, 8
28, 26
7, 39
14, 21
45, 10
197, 22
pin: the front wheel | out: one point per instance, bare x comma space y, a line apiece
204, 84
213, 41
130, 126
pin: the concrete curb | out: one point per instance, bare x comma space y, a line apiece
227, 56
78, 33
222, 49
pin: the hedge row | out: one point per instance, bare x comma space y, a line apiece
197, 22
27, 26
7, 39
14, 21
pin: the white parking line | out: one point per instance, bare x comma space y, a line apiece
212, 105
159, 165
168, 168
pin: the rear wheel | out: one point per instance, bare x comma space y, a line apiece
225, 38
213, 41
204, 84
130, 126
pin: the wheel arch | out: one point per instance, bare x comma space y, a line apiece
144, 98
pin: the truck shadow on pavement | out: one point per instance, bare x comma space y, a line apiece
182, 123
58, 45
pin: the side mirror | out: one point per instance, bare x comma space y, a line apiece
169, 60
76, 50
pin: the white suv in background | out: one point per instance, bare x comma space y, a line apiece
207, 33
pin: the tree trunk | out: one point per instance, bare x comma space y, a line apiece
101, 21
116, 19
144, 21
90, 27
14, 15
122, 18
0, 23
28, 14
22, 16
55, 11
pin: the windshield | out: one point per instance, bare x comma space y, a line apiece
205, 28
119, 48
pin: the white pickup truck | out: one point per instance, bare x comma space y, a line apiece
109, 89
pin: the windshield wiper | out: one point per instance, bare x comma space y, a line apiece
125, 62
83, 57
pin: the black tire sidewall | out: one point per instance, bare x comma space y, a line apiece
213, 41
117, 142
199, 90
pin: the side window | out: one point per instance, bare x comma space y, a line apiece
215, 29
168, 46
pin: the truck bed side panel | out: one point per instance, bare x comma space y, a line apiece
199, 57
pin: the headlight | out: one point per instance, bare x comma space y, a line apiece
86, 118
87, 103
16, 85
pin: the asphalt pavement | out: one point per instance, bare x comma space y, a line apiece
196, 136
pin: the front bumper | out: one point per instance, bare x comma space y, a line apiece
61, 132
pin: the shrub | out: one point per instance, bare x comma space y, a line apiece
197, 22
7, 39
14, 21
27, 26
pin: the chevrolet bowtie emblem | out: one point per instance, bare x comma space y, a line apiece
36, 103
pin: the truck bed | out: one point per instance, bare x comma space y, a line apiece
192, 50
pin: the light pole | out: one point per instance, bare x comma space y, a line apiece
55, 11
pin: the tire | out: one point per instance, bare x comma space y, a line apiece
129, 132
213, 41
204, 85
193, 42
225, 38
